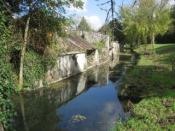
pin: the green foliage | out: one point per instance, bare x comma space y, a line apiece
50, 56
36, 65
150, 114
83, 25
100, 45
168, 37
153, 81
144, 20
46, 21
33, 69
7, 87
114, 29
41, 33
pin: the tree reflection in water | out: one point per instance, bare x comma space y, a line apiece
92, 94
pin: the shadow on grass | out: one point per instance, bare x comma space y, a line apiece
166, 54
153, 85
165, 49
148, 81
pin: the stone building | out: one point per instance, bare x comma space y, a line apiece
79, 54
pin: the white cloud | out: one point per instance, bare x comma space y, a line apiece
172, 2
94, 22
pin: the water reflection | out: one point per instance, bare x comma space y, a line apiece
92, 94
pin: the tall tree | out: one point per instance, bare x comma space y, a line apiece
83, 25
147, 18
168, 37
28, 9
159, 18
110, 13
115, 31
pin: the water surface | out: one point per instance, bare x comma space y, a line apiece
91, 96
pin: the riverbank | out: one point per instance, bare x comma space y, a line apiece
153, 82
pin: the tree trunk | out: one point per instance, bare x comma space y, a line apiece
23, 50
113, 22
1, 127
153, 42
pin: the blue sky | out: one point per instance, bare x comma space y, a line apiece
92, 12
94, 15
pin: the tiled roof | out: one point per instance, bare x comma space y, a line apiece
80, 43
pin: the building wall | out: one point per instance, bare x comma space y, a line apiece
66, 66
73, 63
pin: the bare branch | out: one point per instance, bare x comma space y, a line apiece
135, 2
107, 16
106, 10
108, 2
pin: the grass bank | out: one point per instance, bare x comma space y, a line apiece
153, 81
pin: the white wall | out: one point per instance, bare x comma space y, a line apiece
66, 66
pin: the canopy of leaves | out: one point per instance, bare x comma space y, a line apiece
145, 18
83, 25
114, 28
46, 18
169, 36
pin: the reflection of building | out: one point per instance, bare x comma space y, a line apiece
40, 106
81, 83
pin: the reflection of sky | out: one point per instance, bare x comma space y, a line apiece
47, 108
99, 104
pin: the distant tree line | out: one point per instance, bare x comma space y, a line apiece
84, 25
142, 22
169, 36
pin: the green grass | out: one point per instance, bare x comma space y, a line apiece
165, 54
150, 115
153, 80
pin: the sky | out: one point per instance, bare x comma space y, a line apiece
93, 14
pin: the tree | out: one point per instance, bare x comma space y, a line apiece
146, 19
29, 8
159, 18
114, 31
168, 37
130, 20
110, 14
83, 25
7, 86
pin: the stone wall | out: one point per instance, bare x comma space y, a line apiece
73, 63
66, 66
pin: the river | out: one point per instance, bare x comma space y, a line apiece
85, 102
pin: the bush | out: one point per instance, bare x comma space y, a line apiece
100, 45
7, 87
33, 68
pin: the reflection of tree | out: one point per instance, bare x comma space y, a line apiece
36, 114
23, 113
39, 107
